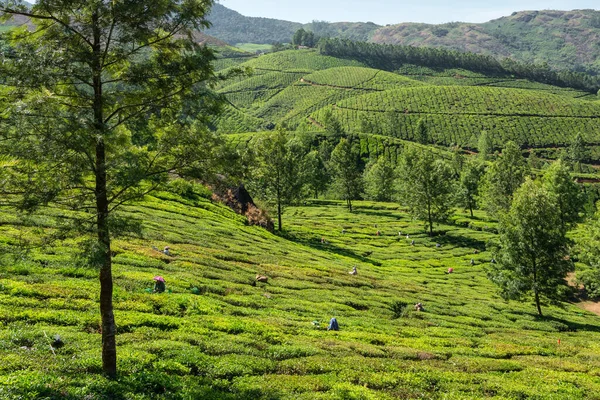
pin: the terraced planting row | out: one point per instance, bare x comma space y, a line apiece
359, 78
465, 129
214, 335
297, 87
307, 60
473, 101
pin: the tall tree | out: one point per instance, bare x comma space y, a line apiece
577, 152
425, 186
344, 164
298, 37
485, 145
316, 174
468, 183
279, 175
100, 97
589, 247
422, 133
379, 180
532, 248
566, 192
502, 178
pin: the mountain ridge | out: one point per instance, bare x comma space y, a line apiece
563, 39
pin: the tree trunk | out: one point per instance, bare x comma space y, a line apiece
109, 329
471, 208
429, 218
535, 289
279, 213
537, 303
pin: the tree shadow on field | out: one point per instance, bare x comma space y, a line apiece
564, 325
461, 241
378, 213
328, 247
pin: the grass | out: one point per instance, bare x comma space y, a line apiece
215, 336
253, 47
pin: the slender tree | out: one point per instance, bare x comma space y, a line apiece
425, 185
589, 253
502, 178
577, 152
422, 133
532, 249
566, 192
98, 102
379, 180
468, 183
485, 145
316, 174
344, 164
279, 176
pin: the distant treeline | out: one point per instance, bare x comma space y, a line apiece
391, 57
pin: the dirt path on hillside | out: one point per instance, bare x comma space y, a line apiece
590, 306
580, 299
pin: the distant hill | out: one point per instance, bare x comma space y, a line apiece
563, 39
233, 27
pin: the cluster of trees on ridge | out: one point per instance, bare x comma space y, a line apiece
391, 57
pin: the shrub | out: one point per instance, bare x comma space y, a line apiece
399, 308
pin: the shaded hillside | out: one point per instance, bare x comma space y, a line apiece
233, 27
564, 39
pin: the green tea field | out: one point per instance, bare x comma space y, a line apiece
300, 88
215, 335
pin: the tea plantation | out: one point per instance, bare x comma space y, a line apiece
300, 88
214, 335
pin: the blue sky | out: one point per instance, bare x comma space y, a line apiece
396, 11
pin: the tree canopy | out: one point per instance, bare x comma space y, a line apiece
425, 186
532, 247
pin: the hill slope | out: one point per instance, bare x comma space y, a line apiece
300, 88
233, 27
563, 39
216, 336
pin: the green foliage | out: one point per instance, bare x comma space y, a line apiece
278, 177
485, 146
421, 134
532, 247
502, 178
567, 194
315, 172
344, 164
391, 57
577, 152
399, 308
379, 177
590, 254
425, 185
469, 182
